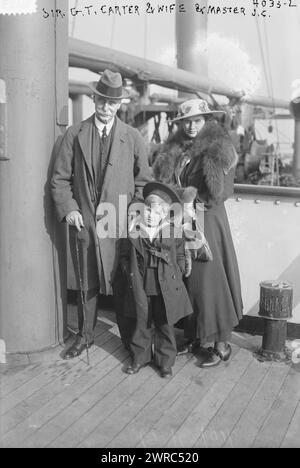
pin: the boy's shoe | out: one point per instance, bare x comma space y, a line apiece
133, 368
188, 347
165, 372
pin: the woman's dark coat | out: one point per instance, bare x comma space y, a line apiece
207, 163
214, 287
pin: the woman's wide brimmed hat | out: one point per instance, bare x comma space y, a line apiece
194, 108
166, 192
109, 86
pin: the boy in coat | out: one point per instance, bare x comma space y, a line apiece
153, 258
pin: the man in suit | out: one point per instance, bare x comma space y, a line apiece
99, 160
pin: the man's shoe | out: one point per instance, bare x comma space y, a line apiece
224, 355
165, 372
76, 349
133, 369
212, 359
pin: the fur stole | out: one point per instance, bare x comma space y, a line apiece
212, 150
170, 157
216, 153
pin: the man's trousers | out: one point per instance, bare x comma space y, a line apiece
86, 328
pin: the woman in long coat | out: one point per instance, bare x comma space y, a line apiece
214, 286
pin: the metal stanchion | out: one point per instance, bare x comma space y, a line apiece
275, 306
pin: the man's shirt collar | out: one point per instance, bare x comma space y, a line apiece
100, 125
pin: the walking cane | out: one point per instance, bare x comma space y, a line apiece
82, 297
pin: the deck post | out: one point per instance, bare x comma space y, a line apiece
34, 77
191, 40
77, 103
275, 306
295, 110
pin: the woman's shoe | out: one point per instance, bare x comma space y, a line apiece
224, 355
212, 359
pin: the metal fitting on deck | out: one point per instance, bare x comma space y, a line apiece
275, 306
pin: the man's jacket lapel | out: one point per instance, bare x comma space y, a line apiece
115, 153
85, 141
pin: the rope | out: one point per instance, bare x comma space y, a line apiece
283, 135
263, 57
269, 83
272, 89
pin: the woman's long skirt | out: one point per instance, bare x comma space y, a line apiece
214, 287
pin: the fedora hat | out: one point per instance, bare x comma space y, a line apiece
164, 191
109, 86
193, 108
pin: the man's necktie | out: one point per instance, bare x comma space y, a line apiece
104, 133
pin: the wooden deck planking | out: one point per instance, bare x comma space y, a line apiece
50, 371
140, 425
121, 418
37, 400
243, 403
201, 415
244, 433
23, 376
16, 375
78, 406
85, 379
37, 383
167, 428
114, 401
292, 436
10, 383
91, 411
221, 425
276, 424
134, 433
